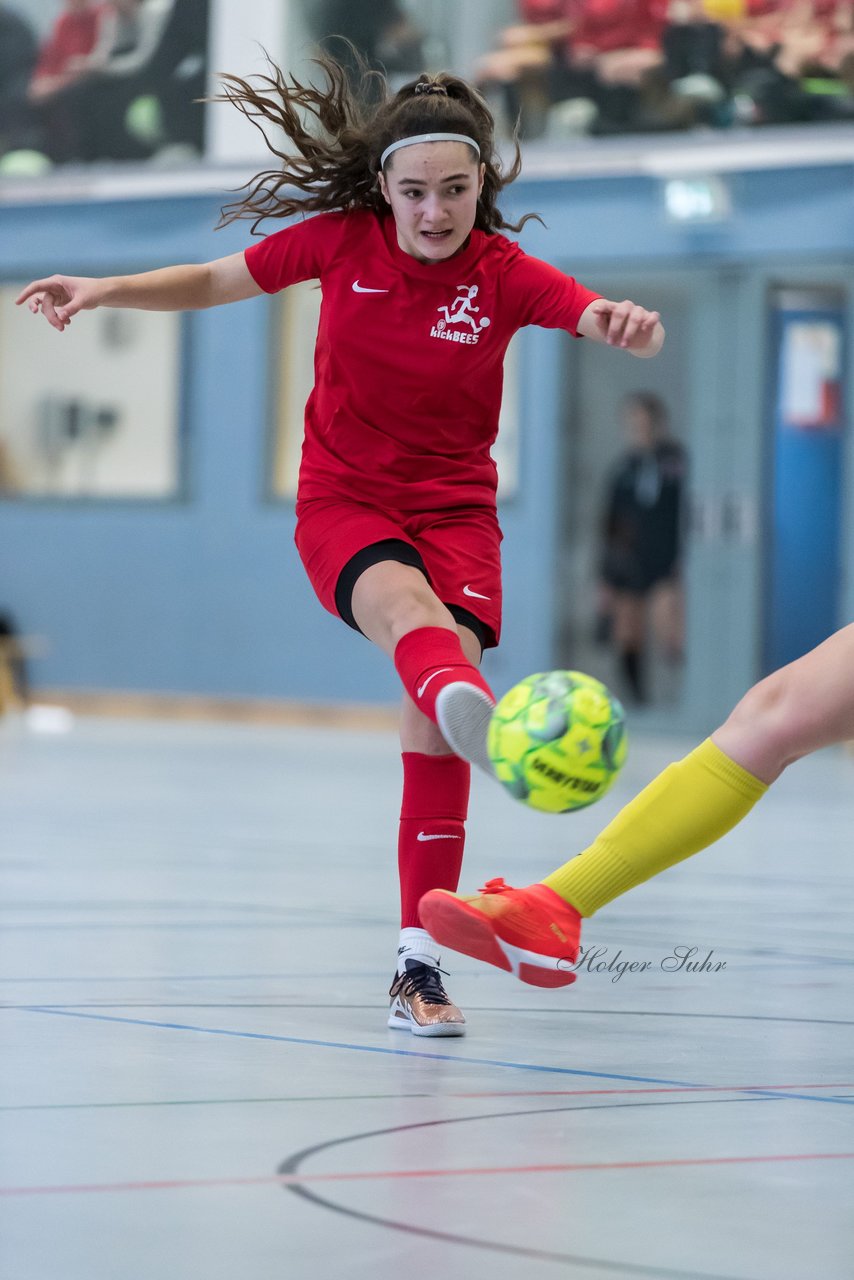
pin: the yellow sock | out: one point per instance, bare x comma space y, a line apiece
687, 807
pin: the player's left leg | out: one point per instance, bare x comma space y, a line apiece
806, 705
397, 608
431, 841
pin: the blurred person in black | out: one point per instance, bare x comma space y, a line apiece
642, 526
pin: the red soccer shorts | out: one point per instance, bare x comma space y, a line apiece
458, 548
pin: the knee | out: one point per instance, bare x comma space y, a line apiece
771, 713
412, 607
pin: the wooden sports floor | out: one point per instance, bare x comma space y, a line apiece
196, 1077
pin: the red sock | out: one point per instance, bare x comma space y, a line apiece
432, 828
429, 658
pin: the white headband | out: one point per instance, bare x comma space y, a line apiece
428, 137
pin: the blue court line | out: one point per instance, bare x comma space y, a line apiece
91, 926
202, 977
415, 1053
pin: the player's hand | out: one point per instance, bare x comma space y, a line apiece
60, 297
624, 324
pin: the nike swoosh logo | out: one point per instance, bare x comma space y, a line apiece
358, 288
422, 836
432, 676
467, 591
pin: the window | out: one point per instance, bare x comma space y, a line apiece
93, 412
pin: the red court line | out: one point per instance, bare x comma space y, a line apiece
684, 1088
299, 1179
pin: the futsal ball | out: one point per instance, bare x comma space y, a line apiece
557, 740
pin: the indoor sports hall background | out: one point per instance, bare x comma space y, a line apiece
197, 763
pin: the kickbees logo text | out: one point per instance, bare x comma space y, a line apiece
463, 313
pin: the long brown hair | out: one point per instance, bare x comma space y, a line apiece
335, 168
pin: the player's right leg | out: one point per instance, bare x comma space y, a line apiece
806, 705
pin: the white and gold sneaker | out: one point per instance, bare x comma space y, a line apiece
420, 1004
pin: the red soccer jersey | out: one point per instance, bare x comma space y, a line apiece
408, 362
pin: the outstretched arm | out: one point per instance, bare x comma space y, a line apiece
186, 288
625, 325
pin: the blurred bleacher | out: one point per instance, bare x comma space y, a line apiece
84, 83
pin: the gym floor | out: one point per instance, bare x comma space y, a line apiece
199, 924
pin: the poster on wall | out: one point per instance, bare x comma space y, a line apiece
811, 374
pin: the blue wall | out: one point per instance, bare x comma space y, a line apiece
207, 595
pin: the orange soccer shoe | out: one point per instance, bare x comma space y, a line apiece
531, 932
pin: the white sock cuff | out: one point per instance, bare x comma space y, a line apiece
416, 944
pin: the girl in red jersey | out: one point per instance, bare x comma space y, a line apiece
396, 509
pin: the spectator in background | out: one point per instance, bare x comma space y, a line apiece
176, 73
78, 30
694, 47
640, 568
627, 66
620, 39
519, 71
161, 54
122, 39
381, 32
94, 105
597, 50
75, 34
155, 49
18, 56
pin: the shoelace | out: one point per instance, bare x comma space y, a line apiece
496, 886
421, 980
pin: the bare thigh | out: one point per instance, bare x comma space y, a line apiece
804, 706
391, 599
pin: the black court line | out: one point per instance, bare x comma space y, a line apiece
215, 1102
291, 1166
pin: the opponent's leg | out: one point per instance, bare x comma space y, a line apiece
395, 606
804, 706
799, 709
